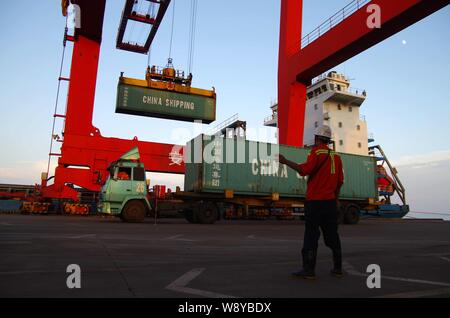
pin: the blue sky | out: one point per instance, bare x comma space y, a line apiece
407, 108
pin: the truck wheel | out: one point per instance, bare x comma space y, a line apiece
134, 212
351, 215
189, 216
207, 213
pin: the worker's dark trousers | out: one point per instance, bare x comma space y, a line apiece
321, 215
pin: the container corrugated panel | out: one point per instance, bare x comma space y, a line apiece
216, 165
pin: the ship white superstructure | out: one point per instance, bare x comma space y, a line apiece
331, 101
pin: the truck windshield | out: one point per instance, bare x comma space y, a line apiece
124, 174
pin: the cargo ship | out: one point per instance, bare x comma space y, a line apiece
333, 102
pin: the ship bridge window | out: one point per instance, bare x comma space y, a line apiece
316, 107
340, 124
316, 124
324, 88
339, 87
341, 142
339, 107
350, 109
332, 86
358, 127
359, 145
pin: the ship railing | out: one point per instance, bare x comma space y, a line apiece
270, 118
218, 128
351, 90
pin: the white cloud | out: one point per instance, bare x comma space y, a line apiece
25, 172
426, 179
423, 160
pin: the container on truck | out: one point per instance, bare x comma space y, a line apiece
234, 176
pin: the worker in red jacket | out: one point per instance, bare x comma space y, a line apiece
325, 178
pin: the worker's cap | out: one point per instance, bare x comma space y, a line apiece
323, 131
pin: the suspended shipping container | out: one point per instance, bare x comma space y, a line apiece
165, 100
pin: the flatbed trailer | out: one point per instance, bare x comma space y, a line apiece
207, 208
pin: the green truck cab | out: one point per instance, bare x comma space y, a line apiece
125, 192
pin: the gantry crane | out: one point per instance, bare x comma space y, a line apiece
85, 153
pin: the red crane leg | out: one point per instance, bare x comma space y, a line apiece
85, 154
291, 116
291, 94
83, 79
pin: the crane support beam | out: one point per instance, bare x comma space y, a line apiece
130, 15
354, 34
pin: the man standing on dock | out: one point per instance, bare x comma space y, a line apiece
325, 178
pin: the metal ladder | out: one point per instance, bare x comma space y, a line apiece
399, 188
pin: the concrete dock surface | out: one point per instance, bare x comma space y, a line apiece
227, 259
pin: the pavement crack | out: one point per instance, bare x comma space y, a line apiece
117, 267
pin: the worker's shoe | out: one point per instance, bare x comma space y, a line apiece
309, 264
339, 273
305, 274
337, 264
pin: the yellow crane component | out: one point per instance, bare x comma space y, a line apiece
168, 79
